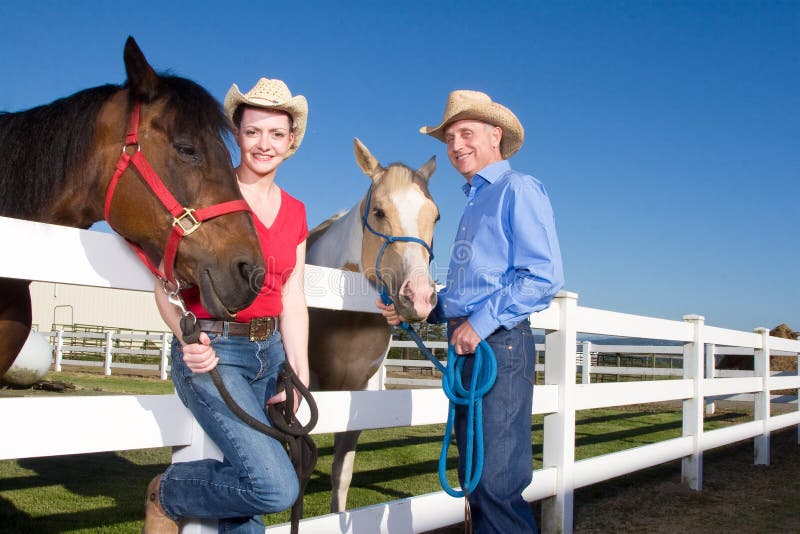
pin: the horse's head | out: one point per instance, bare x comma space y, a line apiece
180, 134
399, 205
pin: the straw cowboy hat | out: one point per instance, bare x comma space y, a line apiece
271, 94
478, 106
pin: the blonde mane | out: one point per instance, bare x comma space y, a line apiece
319, 230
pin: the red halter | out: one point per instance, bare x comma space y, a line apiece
184, 220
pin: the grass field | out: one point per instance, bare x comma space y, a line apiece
103, 493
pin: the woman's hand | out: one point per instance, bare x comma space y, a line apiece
200, 357
281, 397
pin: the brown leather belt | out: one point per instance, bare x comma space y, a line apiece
258, 329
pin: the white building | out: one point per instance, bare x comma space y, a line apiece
114, 308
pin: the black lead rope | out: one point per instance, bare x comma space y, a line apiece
288, 430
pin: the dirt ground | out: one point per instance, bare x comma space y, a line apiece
737, 496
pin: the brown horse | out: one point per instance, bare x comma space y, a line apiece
347, 348
57, 162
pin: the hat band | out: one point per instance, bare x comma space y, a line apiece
260, 98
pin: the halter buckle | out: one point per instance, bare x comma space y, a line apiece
193, 224
137, 146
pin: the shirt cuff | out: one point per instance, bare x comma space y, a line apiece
483, 323
437, 314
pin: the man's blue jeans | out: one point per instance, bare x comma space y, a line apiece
497, 504
256, 476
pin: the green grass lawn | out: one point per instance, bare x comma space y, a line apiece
95, 383
103, 493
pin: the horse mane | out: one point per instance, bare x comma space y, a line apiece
194, 107
41, 146
321, 228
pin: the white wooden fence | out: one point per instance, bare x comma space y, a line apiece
94, 424
106, 344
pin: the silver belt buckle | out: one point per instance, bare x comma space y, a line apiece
261, 328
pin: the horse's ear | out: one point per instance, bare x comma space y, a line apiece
427, 170
142, 79
365, 159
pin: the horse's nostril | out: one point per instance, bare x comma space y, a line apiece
254, 276
406, 290
245, 269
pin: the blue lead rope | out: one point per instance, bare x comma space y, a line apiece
484, 373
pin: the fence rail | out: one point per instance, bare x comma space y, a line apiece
111, 341
94, 424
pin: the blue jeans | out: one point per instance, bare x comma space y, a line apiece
256, 476
496, 503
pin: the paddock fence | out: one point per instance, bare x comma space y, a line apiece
112, 423
122, 350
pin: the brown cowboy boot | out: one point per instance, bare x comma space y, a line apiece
155, 520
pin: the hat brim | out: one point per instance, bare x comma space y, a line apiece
297, 107
490, 113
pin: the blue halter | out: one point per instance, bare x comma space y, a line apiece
484, 373
388, 240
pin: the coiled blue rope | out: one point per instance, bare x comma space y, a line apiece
484, 373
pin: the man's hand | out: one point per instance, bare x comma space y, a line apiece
465, 340
389, 313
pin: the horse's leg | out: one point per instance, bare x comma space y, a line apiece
344, 454
15, 319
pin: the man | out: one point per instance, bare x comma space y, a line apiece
505, 265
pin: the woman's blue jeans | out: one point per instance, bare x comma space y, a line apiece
256, 476
496, 503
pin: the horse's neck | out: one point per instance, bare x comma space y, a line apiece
340, 245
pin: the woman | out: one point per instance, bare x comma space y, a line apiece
256, 476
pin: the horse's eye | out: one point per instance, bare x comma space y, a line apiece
187, 152
379, 213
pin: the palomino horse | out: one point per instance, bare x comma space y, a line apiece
61, 164
346, 348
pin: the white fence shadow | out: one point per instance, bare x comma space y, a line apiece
110, 423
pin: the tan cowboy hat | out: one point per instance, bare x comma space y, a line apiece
271, 94
478, 106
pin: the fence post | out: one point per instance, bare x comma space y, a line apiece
59, 348
107, 358
201, 447
711, 365
377, 382
382, 378
762, 398
586, 364
162, 366
559, 427
693, 357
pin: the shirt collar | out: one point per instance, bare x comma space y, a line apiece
488, 174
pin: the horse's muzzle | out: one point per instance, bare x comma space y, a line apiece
416, 299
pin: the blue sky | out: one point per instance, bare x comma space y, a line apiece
667, 133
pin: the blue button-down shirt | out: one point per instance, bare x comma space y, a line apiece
506, 262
